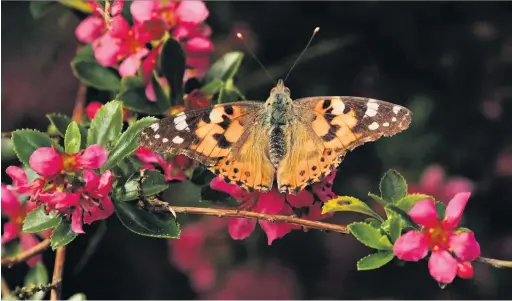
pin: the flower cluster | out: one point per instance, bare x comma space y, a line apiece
451, 251
68, 184
308, 203
173, 168
131, 47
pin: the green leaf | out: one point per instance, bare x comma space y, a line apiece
27, 141
88, 70
440, 209
395, 228
72, 139
7, 151
393, 186
373, 222
106, 125
146, 223
37, 220
407, 202
62, 235
409, 223
375, 260
153, 182
82, 6
225, 67
348, 203
378, 199
370, 236
78, 297
36, 276
127, 143
462, 229
133, 96
172, 65
213, 87
60, 122
229, 95
39, 9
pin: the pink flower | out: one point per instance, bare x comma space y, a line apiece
16, 212
94, 106
433, 183
21, 184
273, 202
441, 238
174, 169
47, 161
93, 27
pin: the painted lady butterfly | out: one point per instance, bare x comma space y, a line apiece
297, 142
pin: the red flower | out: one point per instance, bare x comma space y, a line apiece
94, 26
433, 183
174, 169
273, 202
16, 211
94, 106
441, 238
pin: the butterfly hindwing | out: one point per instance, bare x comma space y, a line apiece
204, 134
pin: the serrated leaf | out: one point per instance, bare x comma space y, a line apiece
153, 182
373, 222
25, 142
127, 143
62, 235
370, 236
133, 96
225, 67
172, 65
37, 275
93, 74
60, 122
39, 9
37, 220
378, 199
393, 186
374, 261
395, 228
144, 222
408, 222
348, 203
212, 87
106, 125
72, 139
407, 202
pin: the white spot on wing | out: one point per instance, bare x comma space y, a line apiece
165, 140
371, 108
155, 126
157, 136
385, 124
180, 122
396, 109
338, 107
177, 140
373, 126
393, 119
216, 115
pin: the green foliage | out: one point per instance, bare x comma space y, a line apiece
36, 276
152, 183
375, 260
407, 202
163, 98
348, 203
72, 139
88, 70
393, 186
60, 122
78, 297
62, 235
370, 236
146, 223
37, 220
172, 65
225, 67
27, 141
133, 97
106, 125
127, 143
39, 9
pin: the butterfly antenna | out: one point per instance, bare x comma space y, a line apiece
241, 37
303, 51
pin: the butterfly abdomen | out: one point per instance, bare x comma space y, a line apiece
277, 149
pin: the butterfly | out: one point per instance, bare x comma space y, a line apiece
295, 142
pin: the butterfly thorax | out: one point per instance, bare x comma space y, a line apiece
278, 117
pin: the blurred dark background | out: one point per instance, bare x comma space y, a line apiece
451, 63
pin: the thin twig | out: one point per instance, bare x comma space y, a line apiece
58, 270
29, 290
161, 206
26, 255
495, 262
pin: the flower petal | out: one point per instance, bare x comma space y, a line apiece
131, 64
117, 7
11, 231
198, 44
105, 183
17, 174
465, 270
76, 221
194, 12
27, 242
147, 156
96, 213
119, 27
455, 208
274, 230
233, 190
89, 29
92, 108
142, 10
303, 199
150, 92
91, 179
442, 266
203, 276
106, 50
432, 179
93, 157
63, 200
11, 206
465, 246
323, 189
241, 228
456, 185
46, 161
424, 213
411, 246
270, 202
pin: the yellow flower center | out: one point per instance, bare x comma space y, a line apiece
69, 162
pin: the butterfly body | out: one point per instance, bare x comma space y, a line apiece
295, 142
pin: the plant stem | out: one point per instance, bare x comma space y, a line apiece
495, 262
26, 255
58, 269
